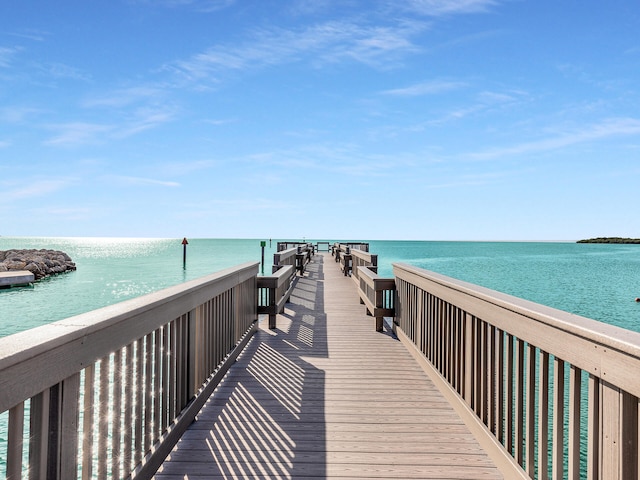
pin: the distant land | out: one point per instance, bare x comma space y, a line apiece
610, 240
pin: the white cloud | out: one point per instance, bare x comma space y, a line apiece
84, 133
126, 96
36, 188
60, 70
124, 180
144, 119
6, 56
448, 7
426, 88
17, 114
206, 6
605, 129
78, 133
329, 42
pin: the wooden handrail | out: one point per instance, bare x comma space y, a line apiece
515, 365
136, 373
274, 291
298, 255
377, 294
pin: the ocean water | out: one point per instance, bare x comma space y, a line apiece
595, 281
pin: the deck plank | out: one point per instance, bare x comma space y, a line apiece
325, 396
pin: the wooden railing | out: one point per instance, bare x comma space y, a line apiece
378, 295
274, 291
342, 255
298, 256
554, 394
107, 394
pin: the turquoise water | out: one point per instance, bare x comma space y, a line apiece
596, 281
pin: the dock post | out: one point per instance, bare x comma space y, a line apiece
184, 251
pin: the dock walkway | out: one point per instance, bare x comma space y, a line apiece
325, 396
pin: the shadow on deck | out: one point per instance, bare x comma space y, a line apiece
325, 396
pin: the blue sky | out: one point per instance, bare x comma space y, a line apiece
336, 119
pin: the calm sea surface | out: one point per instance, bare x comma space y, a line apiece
596, 281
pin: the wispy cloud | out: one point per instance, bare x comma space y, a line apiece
30, 34
60, 70
127, 181
78, 133
37, 188
426, 88
329, 42
447, 7
144, 119
17, 114
184, 168
126, 96
205, 6
6, 55
4, 143
608, 128
68, 213
84, 133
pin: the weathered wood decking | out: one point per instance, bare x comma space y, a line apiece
324, 395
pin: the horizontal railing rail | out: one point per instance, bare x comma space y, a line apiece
298, 256
108, 393
378, 295
556, 394
342, 254
360, 258
274, 291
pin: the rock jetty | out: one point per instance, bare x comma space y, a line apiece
41, 263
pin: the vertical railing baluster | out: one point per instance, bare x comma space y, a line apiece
558, 420
157, 385
500, 386
69, 415
117, 420
491, 376
575, 392
129, 365
139, 402
173, 335
468, 363
530, 414
15, 445
165, 380
519, 412
103, 418
629, 436
543, 417
88, 421
510, 390
594, 419
148, 393
39, 437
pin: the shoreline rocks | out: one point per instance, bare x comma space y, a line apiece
42, 263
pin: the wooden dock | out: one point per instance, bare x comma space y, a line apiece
16, 278
326, 396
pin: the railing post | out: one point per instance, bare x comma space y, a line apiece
272, 304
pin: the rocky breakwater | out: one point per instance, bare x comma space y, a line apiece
41, 263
